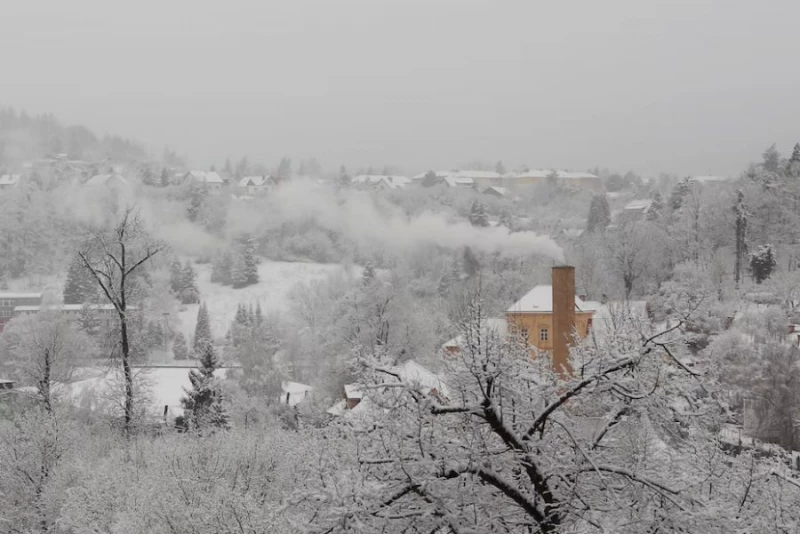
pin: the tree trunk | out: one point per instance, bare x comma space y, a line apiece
126, 371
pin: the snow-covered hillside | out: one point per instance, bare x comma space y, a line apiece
276, 280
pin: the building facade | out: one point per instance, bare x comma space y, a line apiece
9, 301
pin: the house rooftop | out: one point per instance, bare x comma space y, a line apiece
103, 179
10, 179
8, 295
208, 177
540, 300
638, 205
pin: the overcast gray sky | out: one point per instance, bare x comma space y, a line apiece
689, 86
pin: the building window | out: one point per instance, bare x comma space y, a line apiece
524, 333
543, 334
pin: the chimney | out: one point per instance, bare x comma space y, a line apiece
563, 317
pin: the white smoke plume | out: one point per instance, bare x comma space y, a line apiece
369, 222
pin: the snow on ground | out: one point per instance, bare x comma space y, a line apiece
101, 389
276, 280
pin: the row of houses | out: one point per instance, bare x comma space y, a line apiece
20, 304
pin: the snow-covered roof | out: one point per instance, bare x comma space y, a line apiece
493, 324
208, 177
459, 181
104, 179
293, 392
540, 300
703, 179
295, 387
375, 178
480, 175
414, 373
8, 295
10, 179
69, 307
544, 173
638, 205
163, 386
502, 191
439, 174
353, 391
252, 180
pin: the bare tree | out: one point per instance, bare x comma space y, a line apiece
44, 349
500, 444
114, 258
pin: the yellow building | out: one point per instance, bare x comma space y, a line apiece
531, 317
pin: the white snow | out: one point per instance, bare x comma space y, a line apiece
159, 386
276, 280
294, 392
540, 300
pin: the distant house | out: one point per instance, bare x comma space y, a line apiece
254, 184
579, 180
8, 181
707, 179
429, 178
9, 301
293, 393
459, 182
410, 372
114, 180
496, 326
210, 179
531, 317
496, 191
635, 210
381, 181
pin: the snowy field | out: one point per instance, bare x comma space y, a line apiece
102, 390
276, 281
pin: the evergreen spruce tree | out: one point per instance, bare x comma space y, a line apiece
202, 331
80, 287
221, 269
154, 335
197, 196
238, 272
344, 178
259, 315
656, 208
203, 405
189, 293
795, 154
368, 276
506, 220
164, 177
499, 168
762, 263
88, 321
679, 194
250, 262
477, 215
599, 214
148, 177
176, 283
179, 348
471, 264
241, 318
741, 212
251, 316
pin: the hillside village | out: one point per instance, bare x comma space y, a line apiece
377, 325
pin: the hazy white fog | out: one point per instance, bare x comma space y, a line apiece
690, 86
